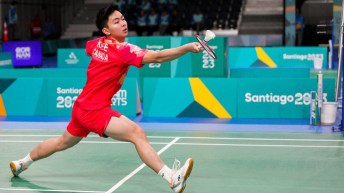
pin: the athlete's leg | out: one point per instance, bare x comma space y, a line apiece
52, 145
43, 150
122, 128
126, 130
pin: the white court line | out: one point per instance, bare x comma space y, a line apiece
214, 138
260, 145
265, 139
38, 141
39, 135
120, 183
191, 144
44, 190
174, 142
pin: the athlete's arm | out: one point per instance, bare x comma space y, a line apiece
170, 54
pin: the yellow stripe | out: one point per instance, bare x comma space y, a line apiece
204, 97
2, 107
290, 8
262, 56
337, 8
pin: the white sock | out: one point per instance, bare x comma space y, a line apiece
165, 172
27, 160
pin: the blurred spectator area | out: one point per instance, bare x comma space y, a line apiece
75, 18
60, 12
217, 14
262, 17
316, 12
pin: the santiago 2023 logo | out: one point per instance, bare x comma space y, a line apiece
297, 99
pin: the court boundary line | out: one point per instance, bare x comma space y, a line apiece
194, 144
44, 190
126, 178
168, 145
186, 137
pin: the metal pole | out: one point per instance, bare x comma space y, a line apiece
340, 66
340, 56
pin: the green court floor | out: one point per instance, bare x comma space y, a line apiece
225, 162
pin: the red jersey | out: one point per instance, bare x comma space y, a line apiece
105, 74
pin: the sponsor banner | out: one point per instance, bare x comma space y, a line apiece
182, 67
43, 73
23, 97
190, 64
24, 53
234, 98
132, 40
56, 96
6, 60
312, 57
279, 98
155, 44
190, 97
75, 57
285, 57
62, 94
205, 66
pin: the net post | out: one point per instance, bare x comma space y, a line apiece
340, 93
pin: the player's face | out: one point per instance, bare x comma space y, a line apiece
116, 26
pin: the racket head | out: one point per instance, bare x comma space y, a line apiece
206, 47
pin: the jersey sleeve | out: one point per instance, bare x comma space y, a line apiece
89, 48
132, 54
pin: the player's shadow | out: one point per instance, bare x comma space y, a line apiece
17, 182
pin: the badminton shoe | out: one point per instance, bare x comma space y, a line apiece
180, 175
17, 167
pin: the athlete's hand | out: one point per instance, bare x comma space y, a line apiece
194, 47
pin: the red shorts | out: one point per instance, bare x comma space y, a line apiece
85, 121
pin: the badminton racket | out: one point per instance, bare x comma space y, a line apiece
208, 36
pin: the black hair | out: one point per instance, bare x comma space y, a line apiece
103, 16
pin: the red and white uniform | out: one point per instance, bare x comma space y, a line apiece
105, 75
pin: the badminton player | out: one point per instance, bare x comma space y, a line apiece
111, 59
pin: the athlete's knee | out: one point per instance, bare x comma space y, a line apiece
62, 144
138, 133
